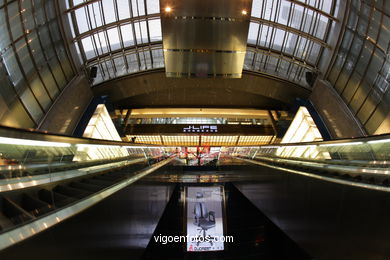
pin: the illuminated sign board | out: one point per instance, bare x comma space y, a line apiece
204, 218
200, 129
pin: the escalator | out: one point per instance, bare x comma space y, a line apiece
21, 207
118, 227
102, 199
45, 179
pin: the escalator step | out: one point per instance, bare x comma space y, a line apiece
98, 182
72, 192
13, 213
35, 206
85, 186
59, 199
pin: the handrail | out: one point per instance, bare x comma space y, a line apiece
30, 158
39, 224
307, 173
323, 166
362, 162
384, 138
41, 179
10, 132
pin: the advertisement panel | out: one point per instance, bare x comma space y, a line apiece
205, 218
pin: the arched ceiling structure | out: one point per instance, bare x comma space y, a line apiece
121, 37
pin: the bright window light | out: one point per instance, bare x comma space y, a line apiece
14, 141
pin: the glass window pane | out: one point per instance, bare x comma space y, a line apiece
24, 57
49, 81
50, 10
133, 62
120, 66
40, 92
13, 68
253, 32
27, 15
123, 9
39, 12
384, 36
65, 62
377, 117
88, 47
14, 20
109, 12
94, 15
33, 42
153, 6
113, 37
138, 7
57, 72
158, 58
155, 30
31, 104
55, 33
141, 32
100, 40
4, 39
278, 39
81, 18
127, 35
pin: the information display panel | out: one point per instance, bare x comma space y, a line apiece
205, 218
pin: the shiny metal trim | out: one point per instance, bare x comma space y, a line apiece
323, 178
329, 166
19, 183
44, 136
368, 139
38, 225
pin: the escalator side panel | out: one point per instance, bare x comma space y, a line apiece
329, 220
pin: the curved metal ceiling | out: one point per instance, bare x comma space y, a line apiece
120, 37
157, 90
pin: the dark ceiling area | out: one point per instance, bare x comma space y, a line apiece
154, 89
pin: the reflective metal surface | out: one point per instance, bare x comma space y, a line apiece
328, 220
119, 227
204, 39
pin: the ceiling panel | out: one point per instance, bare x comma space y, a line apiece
205, 38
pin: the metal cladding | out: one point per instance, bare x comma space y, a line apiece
205, 38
